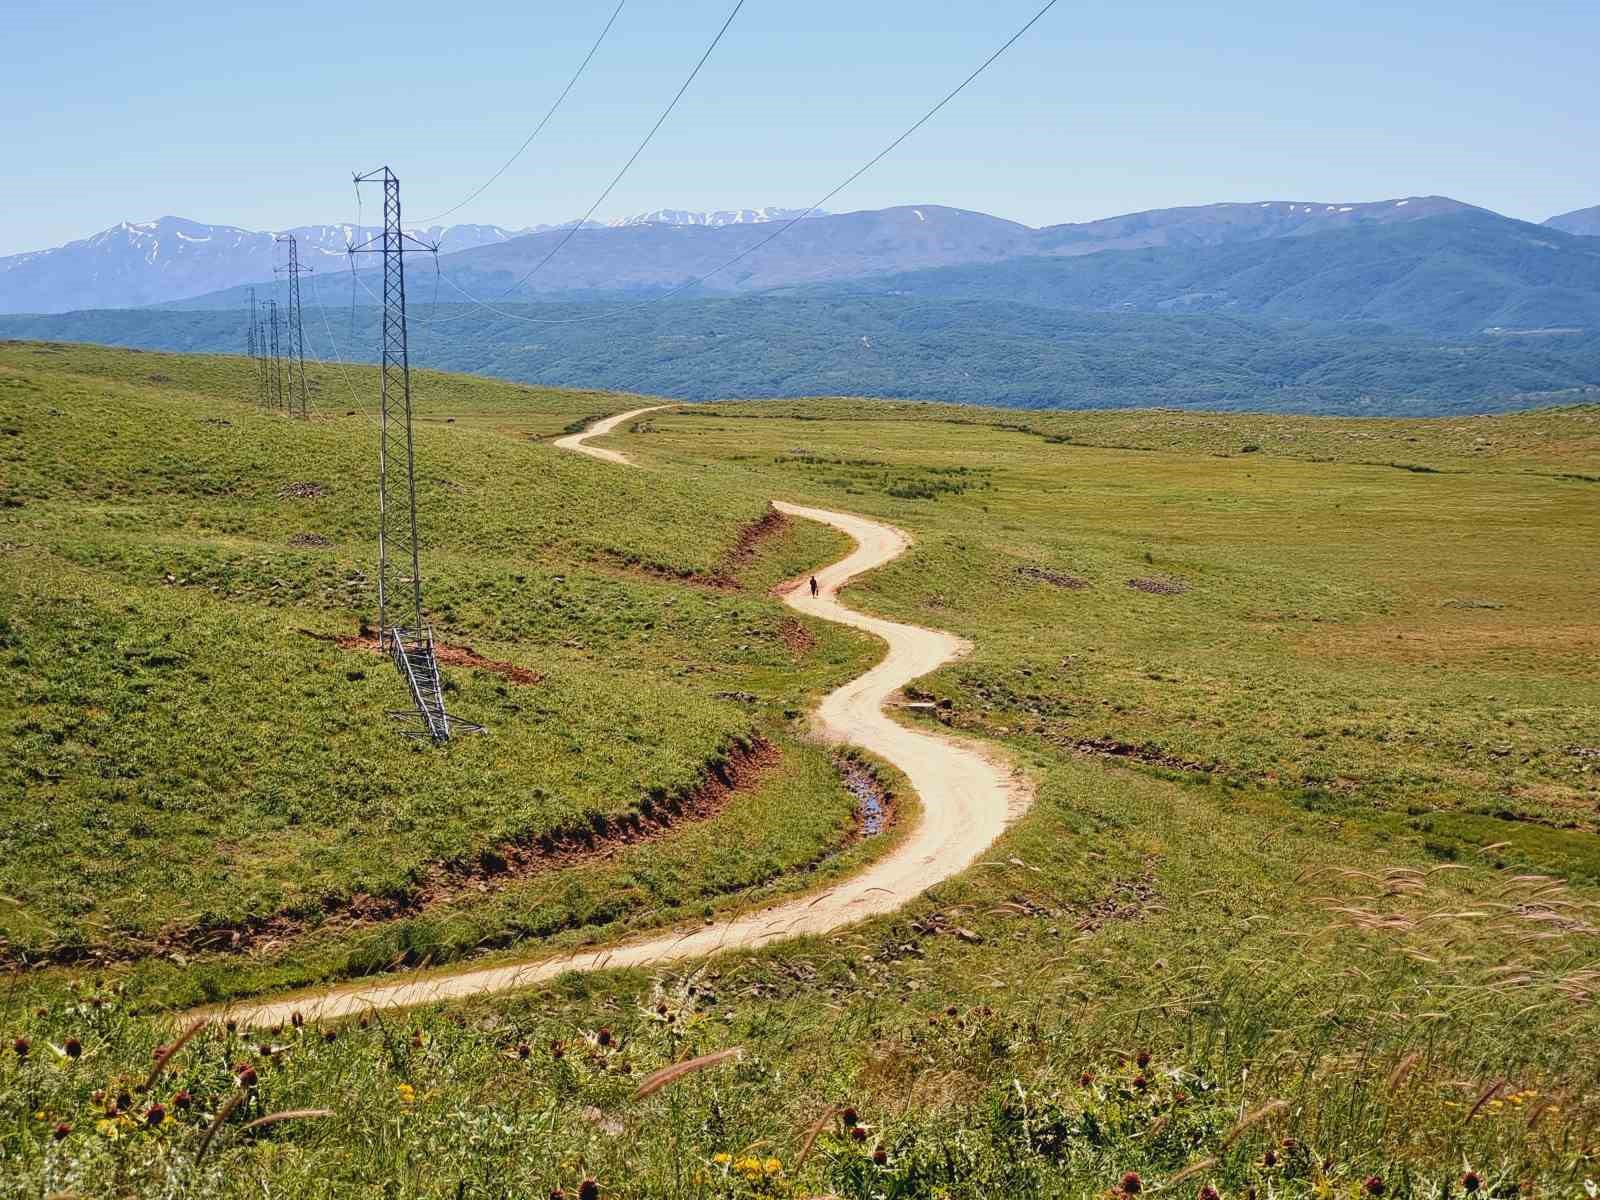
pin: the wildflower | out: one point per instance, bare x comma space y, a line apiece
858, 1133
407, 1094
772, 1166
108, 1128
63, 1131
1086, 1079
588, 1190
155, 1115
557, 1194
750, 1168
556, 1050
1471, 1182
245, 1074
1132, 1185
232, 1025
880, 1157
183, 1100
603, 1036
72, 1047
850, 1118
1207, 1192
1372, 1185
951, 1011
1140, 1082
722, 1158
1142, 1059
1269, 1159
296, 1019
523, 1050
22, 1046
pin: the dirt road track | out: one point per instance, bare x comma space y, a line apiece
968, 798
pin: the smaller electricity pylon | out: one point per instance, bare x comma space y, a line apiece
250, 340
276, 398
401, 628
294, 328
258, 353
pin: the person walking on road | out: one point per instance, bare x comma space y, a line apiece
814, 587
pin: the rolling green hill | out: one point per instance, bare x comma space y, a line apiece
1305, 904
982, 350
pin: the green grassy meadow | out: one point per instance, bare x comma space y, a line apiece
1306, 905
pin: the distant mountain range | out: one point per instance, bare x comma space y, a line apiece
1418, 305
174, 259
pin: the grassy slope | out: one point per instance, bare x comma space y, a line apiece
182, 754
1362, 732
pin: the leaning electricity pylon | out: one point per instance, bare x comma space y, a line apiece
401, 628
294, 329
275, 400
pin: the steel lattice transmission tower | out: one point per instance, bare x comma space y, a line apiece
250, 340
275, 400
258, 351
402, 631
294, 329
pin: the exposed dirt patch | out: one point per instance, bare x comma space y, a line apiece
301, 491
309, 540
797, 637
1058, 579
450, 656
441, 883
1157, 586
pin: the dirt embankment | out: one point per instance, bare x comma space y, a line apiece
443, 883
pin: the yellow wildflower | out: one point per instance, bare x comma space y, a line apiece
772, 1166
108, 1128
407, 1093
722, 1158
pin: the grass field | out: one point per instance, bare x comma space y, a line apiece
1309, 705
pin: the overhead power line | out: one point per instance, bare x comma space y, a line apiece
782, 229
537, 129
632, 158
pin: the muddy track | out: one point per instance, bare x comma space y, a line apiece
968, 797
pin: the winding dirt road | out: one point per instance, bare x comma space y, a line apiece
968, 798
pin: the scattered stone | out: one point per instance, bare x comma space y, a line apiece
1157, 586
300, 491
1055, 578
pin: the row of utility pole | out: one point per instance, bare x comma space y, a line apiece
277, 348
277, 343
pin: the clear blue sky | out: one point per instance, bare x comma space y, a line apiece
257, 116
